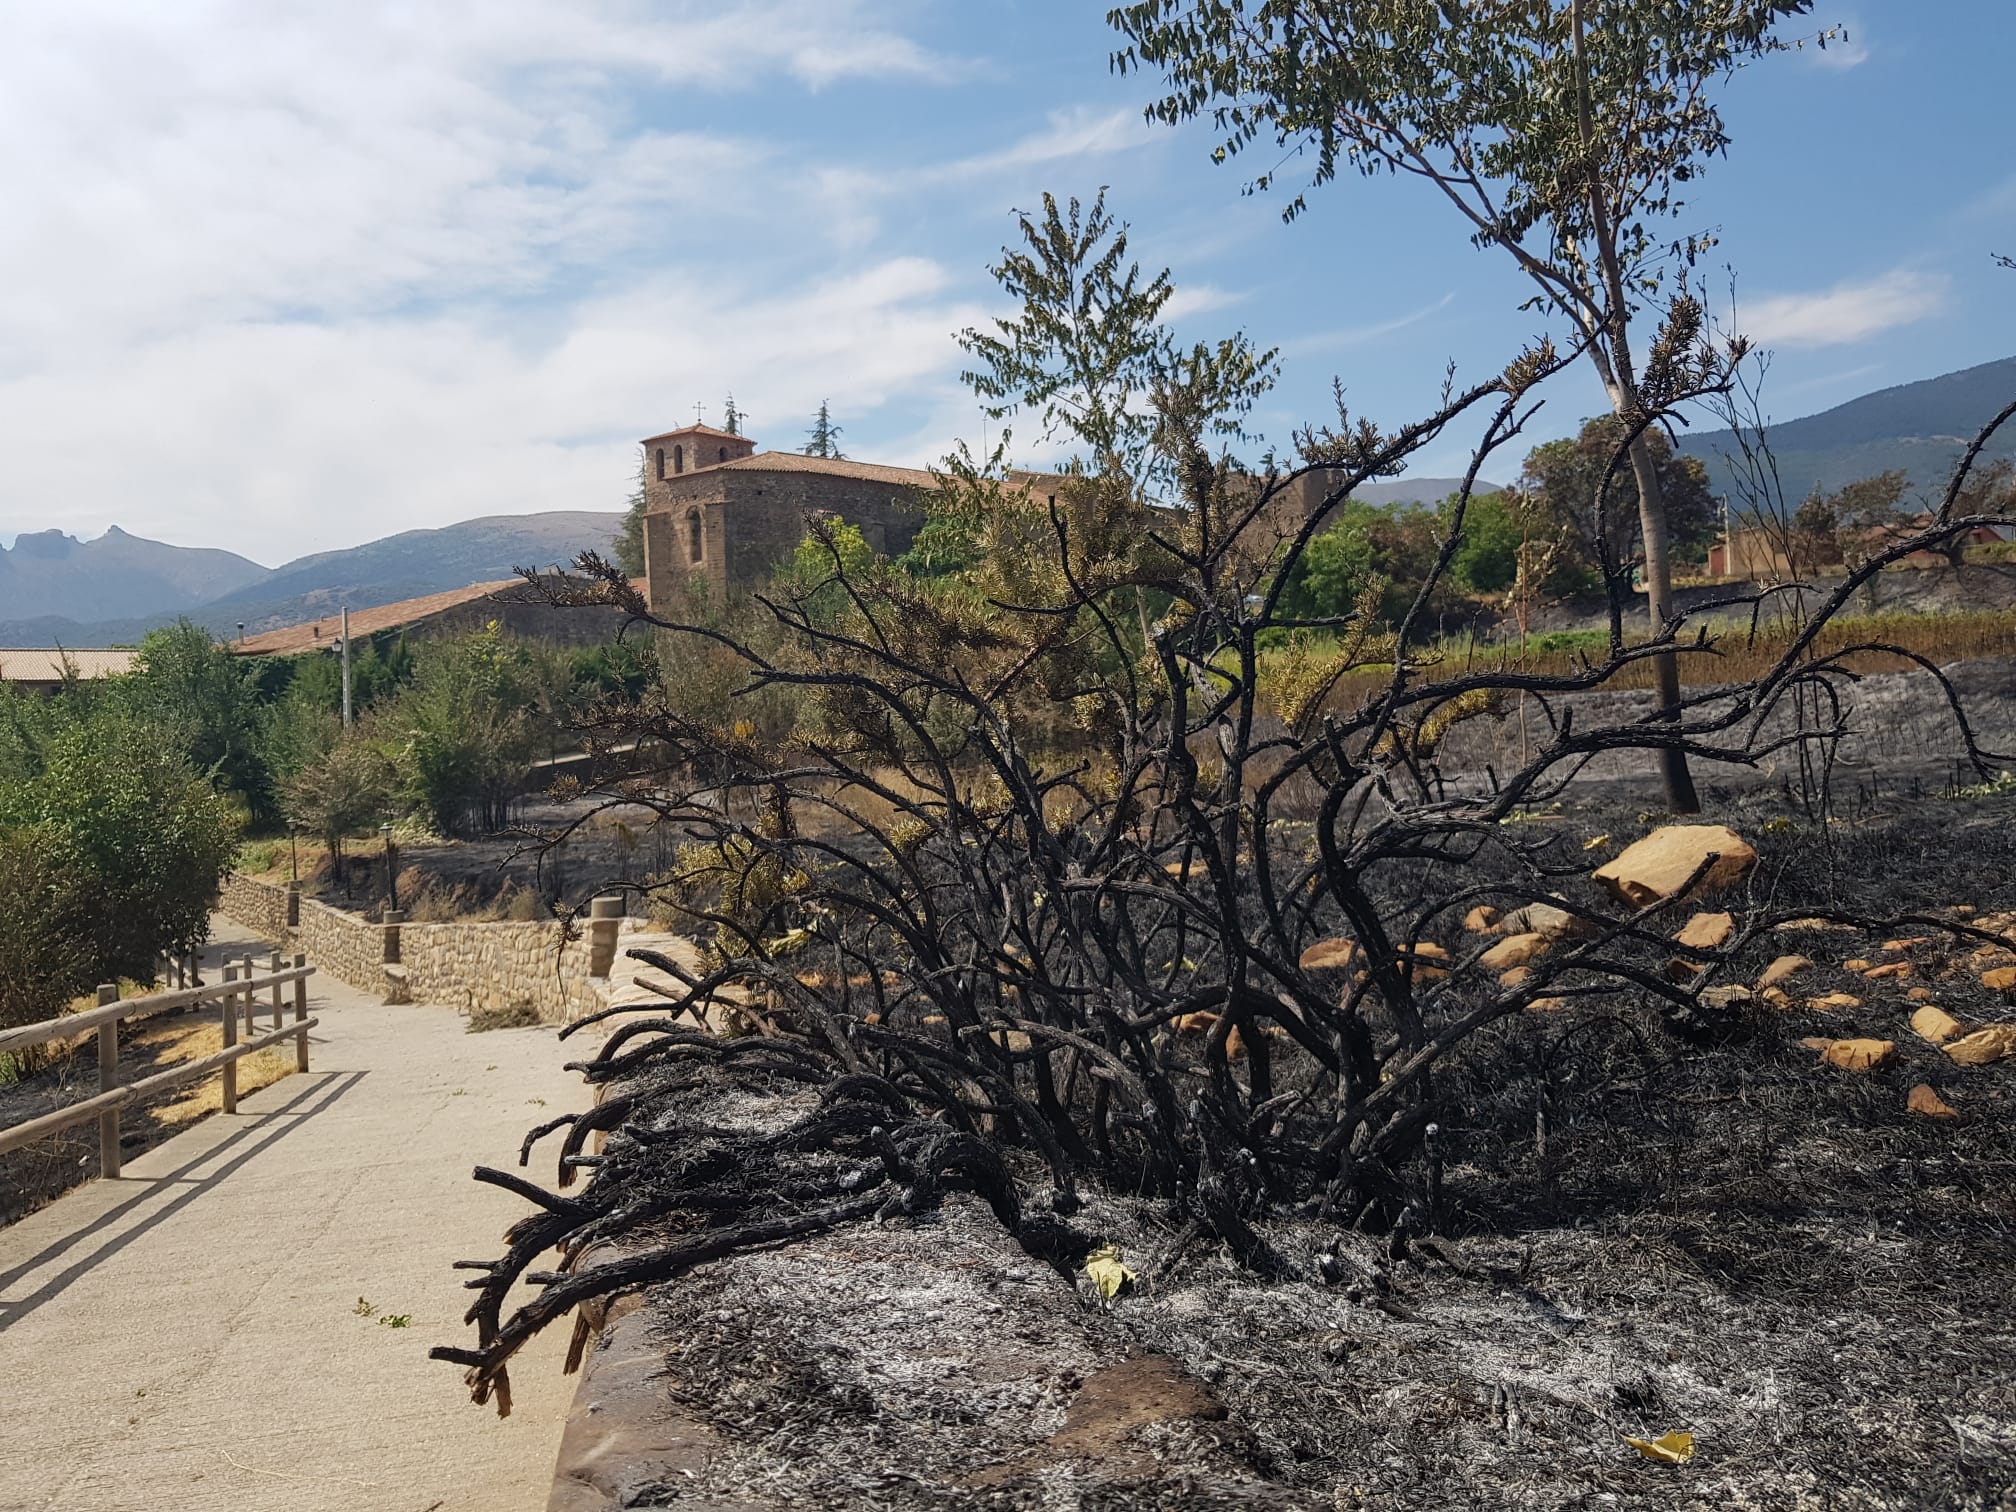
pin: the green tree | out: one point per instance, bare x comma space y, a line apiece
1568, 480
628, 548
463, 732
347, 790
1560, 131
206, 700
1336, 568
1487, 559
143, 837
45, 928
731, 417
824, 437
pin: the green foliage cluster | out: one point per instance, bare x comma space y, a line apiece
123, 799
111, 847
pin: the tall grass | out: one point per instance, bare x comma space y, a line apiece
1730, 656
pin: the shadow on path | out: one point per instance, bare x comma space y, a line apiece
271, 1126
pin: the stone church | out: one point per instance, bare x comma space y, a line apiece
718, 509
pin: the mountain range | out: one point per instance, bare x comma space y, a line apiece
1918, 429
51, 583
57, 590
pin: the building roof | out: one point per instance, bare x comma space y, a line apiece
832, 467
291, 640
697, 430
46, 665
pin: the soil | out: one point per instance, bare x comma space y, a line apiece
1640, 1233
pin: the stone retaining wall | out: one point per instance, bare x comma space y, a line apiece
467, 966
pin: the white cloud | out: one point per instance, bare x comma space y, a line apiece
290, 278
1076, 133
1360, 335
1848, 312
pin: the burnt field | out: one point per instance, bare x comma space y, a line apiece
1640, 1224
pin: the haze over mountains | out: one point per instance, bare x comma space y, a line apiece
55, 589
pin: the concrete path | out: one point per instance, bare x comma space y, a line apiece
189, 1336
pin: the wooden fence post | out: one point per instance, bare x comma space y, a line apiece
249, 971
300, 1014
275, 969
108, 1080
227, 1021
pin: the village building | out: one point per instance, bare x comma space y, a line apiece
46, 669
718, 509
509, 603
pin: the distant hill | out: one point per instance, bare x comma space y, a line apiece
1417, 490
403, 566
1919, 428
48, 573
410, 564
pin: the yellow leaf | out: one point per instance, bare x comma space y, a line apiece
1674, 1448
1596, 844
1107, 1273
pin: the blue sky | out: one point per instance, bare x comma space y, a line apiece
286, 278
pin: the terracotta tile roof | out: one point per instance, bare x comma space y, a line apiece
292, 640
832, 467
46, 665
696, 430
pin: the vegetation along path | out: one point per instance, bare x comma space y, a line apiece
241, 1321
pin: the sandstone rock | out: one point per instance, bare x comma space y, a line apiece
1777, 997
1514, 951
1677, 970
2001, 979
1857, 964
1907, 944
1794, 926
1547, 1005
1936, 1025
1816, 1042
1920, 994
1480, 919
1929, 1104
1832, 1001
1726, 997
1708, 931
1329, 955
1515, 977
1416, 964
1781, 969
1992, 1042
1859, 1054
1545, 918
1659, 865
1891, 969
1194, 1023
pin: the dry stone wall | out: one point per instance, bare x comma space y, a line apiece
467, 966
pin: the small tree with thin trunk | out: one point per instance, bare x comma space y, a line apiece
1560, 131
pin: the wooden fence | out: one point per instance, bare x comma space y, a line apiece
236, 997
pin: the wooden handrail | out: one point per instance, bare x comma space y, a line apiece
111, 1012
140, 1007
124, 1097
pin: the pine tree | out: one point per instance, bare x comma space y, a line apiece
732, 417
628, 547
825, 436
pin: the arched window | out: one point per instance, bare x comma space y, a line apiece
661, 463
693, 535
678, 459
724, 454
